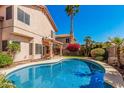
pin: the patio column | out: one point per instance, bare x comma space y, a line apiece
51, 50
61, 50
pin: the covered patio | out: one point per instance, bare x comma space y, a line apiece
51, 47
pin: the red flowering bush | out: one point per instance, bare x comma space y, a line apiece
73, 47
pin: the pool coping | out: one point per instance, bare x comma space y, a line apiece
112, 76
6, 71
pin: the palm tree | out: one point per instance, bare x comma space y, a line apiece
88, 44
117, 41
71, 10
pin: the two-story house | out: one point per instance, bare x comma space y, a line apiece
32, 27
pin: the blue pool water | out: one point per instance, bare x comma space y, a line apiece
70, 73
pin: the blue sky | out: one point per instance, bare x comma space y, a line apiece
99, 22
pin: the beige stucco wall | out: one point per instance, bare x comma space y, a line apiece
6, 24
24, 54
39, 23
39, 27
112, 57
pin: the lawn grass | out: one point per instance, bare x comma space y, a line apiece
73, 56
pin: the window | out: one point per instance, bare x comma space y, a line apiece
67, 40
38, 49
27, 19
9, 13
4, 45
30, 48
20, 15
23, 17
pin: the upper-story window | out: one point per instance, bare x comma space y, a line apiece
9, 13
20, 15
27, 19
67, 40
23, 17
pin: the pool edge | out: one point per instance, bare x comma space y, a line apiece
112, 76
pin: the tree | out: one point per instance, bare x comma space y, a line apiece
71, 10
88, 45
117, 41
82, 50
13, 48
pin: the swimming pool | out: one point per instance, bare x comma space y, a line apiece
68, 73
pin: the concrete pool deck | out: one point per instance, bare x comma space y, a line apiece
112, 76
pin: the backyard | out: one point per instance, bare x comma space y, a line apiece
89, 51
87, 63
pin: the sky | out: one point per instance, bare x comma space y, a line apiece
99, 22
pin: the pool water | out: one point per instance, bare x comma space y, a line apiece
69, 73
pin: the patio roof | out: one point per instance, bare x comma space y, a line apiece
57, 42
47, 41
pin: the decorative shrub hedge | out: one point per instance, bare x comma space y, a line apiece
5, 60
4, 83
98, 54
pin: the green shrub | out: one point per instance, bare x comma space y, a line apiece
5, 60
99, 58
97, 52
13, 48
4, 83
